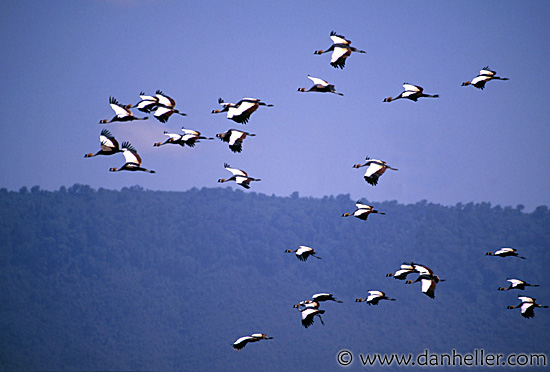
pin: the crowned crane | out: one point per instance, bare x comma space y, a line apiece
527, 305
427, 278
374, 297
362, 212
241, 342
109, 145
484, 76
239, 176
308, 315
505, 252
320, 297
341, 49
165, 107
147, 103
375, 169
320, 85
307, 304
517, 284
405, 269
189, 138
133, 160
412, 92
240, 112
122, 112
235, 139
303, 252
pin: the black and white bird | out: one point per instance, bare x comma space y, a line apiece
320, 85
109, 145
362, 212
341, 49
147, 103
412, 92
517, 284
527, 305
320, 297
234, 138
484, 76
427, 279
189, 138
374, 297
505, 252
303, 252
122, 112
405, 269
375, 169
239, 176
133, 160
240, 112
308, 315
241, 342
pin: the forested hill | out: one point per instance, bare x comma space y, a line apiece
150, 280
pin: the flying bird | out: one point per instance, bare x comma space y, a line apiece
505, 252
362, 212
303, 252
234, 138
527, 305
240, 112
375, 169
405, 269
484, 76
517, 284
122, 112
133, 160
188, 138
109, 145
412, 92
427, 278
320, 85
239, 176
374, 297
341, 49
241, 342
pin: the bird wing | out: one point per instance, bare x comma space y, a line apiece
120, 111
236, 136
339, 52
373, 168
108, 142
423, 270
528, 309
526, 299
174, 136
241, 342
236, 172
428, 287
486, 72
515, 282
164, 100
131, 156
413, 88
339, 39
359, 205
163, 113
318, 81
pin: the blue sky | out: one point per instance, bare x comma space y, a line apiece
63, 59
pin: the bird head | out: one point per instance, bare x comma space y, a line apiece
221, 180
489, 253
466, 83
389, 99
88, 155
356, 165
358, 300
511, 307
288, 251
345, 215
501, 288
112, 169
216, 111
389, 274
104, 121
318, 52
301, 89
408, 281
156, 144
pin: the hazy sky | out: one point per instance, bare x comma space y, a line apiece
61, 60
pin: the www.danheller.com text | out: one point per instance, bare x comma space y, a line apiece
478, 357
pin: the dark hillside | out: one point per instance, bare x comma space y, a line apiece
151, 280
